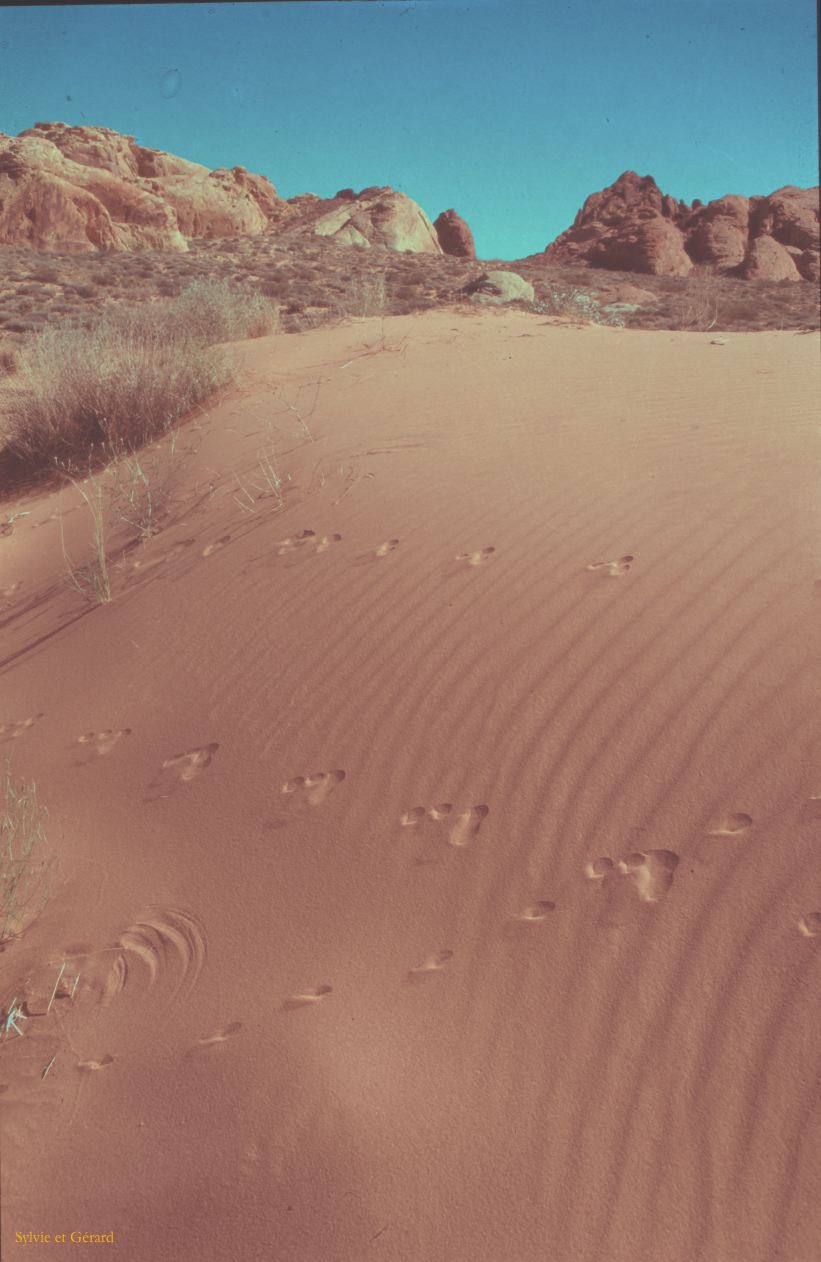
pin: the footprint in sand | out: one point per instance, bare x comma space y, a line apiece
221, 1035
149, 563
89, 1066
613, 569
10, 731
97, 744
810, 926
307, 999
384, 549
464, 825
326, 542
432, 964
216, 545
390, 545
731, 825
6, 593
476, 558
537, 911
315, 788
180, 769
649, 871
599, 868
307, 541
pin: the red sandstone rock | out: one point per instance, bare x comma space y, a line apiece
455, 237
718, 234
632, 226
767, 259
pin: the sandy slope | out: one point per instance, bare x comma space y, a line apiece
358, 979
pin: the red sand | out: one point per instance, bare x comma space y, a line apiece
355, 978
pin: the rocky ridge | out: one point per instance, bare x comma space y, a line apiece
632, 226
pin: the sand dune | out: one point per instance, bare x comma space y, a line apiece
439, 851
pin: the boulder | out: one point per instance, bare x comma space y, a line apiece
767, 259
455, 237
379, 217
790, 215
653, 246
718, 234
499, 287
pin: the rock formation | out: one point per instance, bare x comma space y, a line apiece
632, 226
455, 237
375, 217
90, 188
499, 287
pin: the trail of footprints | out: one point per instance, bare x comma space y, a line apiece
175, 936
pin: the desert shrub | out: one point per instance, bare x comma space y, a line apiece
576, 304
701, 298
124, 378
46, 275
116, 381
365, 295
25, 864
215, 311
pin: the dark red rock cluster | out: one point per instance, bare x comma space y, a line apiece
631, 226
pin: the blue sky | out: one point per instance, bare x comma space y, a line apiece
511, 111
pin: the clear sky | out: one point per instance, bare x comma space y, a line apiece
511, 111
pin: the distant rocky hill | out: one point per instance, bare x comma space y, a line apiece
80, 189
633, 227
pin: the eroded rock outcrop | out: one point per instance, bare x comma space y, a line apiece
455, 237
377, 217
633, 226
89, 188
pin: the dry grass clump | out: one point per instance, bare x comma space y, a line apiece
365, 295
218, 312
129, 376
26, 867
